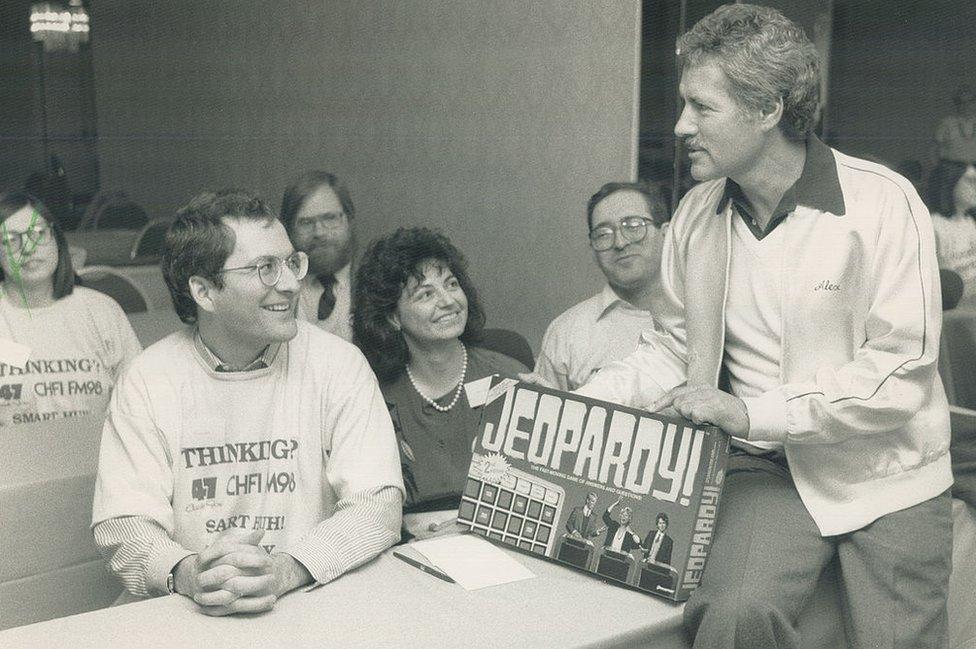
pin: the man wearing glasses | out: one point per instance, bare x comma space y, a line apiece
236, 464
318, 214
626, 222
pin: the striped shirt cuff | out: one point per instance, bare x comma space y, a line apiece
139, 552
362, 526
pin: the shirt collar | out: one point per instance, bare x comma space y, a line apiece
818, 187
609, 300
341, 277
264, 359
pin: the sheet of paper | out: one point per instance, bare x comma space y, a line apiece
472, 561
477, 391
13, 354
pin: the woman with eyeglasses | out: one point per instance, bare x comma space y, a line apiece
417, 319
64, 344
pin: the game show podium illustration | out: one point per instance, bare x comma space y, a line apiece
615, 565
657, 577
575, 551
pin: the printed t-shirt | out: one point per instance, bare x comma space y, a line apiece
200, 451
78, 345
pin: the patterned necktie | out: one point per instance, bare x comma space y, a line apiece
328, 300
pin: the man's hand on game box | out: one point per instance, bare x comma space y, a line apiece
702, 404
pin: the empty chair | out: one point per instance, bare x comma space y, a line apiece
149, 242
113, 210
121, 216
116, 285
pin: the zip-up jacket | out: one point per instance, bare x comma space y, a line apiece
860, 408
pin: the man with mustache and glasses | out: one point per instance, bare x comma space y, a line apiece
803, 318
318, 214
626, 224
235, 465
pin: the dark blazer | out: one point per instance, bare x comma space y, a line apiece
577, 522
663, 552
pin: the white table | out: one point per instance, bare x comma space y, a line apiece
388, 603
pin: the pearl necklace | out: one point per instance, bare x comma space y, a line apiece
457, 392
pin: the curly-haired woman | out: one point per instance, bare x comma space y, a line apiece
418, 320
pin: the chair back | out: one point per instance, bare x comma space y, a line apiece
149, 242
117, 286
121, 216
79, 256
962, 450
956, 353
952, 288
153, 325
508, 342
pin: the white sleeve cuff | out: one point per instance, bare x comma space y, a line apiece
767, 417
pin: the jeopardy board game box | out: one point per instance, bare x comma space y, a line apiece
625, 494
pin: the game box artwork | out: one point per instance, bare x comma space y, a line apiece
623, 493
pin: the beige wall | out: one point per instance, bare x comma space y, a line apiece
491, 120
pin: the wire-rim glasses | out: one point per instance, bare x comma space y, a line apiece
36, 235
632, 228
270, 268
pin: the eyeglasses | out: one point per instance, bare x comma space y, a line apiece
632, 228
328, 221
36, 235
269, 268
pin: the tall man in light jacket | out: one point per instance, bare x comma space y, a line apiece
804, 283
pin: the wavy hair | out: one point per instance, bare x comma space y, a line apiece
766, 57
381, 277
199, 242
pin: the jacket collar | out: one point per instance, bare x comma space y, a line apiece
818, 187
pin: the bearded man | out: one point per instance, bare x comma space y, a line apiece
317, 212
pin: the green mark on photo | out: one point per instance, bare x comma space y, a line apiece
26, 249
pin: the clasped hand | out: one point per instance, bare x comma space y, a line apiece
236, 575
